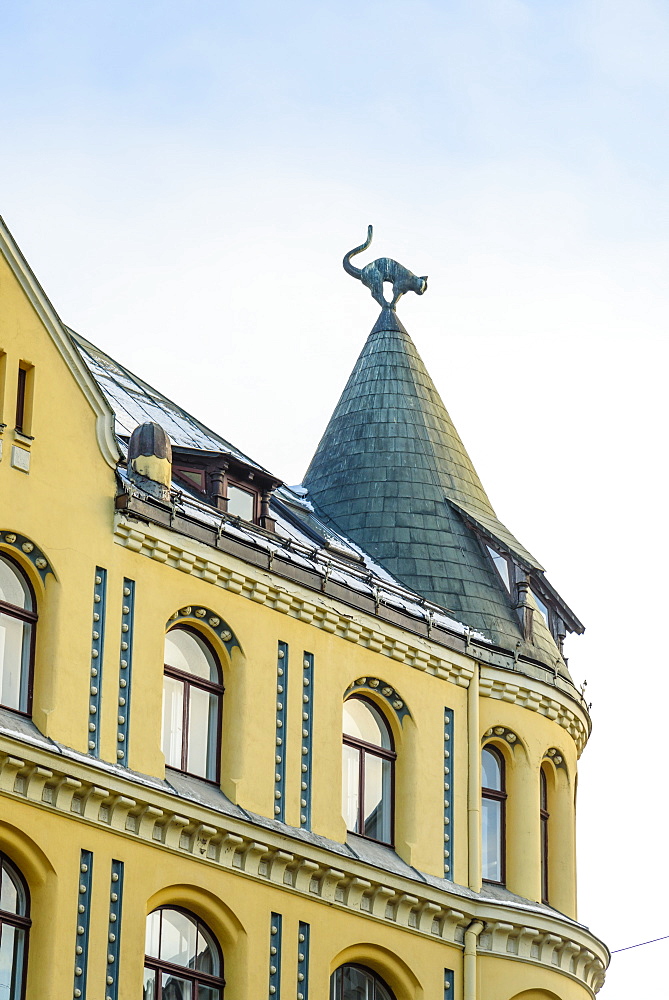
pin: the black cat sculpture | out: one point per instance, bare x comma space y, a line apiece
384, 269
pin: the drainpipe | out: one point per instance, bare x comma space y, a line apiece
474, 782
471, 940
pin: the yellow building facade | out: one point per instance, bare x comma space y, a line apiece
197, 660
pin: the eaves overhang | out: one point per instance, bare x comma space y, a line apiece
315, 569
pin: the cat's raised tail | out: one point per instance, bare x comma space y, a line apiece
348, 267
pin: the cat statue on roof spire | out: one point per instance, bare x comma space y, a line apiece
384, 269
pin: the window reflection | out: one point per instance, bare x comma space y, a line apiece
355, 982
492, 815
367, 765
17, 624
192, 701
183, 960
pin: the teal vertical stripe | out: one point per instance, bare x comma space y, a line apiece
448, 794
125, 672
307, 719
114, 930
449, 985
275, 957
83, 923
303, 962
97, 655
281, 716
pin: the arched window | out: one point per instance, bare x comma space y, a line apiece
14, 925
183, 960
368, 764
355, 982
17, 637
543, 818
493, 795
192, 702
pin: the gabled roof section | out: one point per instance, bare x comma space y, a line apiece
392, 473
36, 296
135, 402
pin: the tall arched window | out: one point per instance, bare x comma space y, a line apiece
17, 637
192, 702
368, 764
183, 960
543, 818
14, 925
493, 796
355, 982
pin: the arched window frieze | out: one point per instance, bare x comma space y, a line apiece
556, 757
503, 735
206, 619
387, 696
23, 550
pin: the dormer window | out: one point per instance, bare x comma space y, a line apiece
232, 486
502, 566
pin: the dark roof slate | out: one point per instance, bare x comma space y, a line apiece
392, 473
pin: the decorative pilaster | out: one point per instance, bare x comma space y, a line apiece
125, 671
114, 930
307, 720
281, 715
303, 962
97, 653
448, 794
83, 924
275, 956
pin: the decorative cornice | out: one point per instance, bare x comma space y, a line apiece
104, 423
262, 587
117, 803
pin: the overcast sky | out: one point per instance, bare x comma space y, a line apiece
184, 178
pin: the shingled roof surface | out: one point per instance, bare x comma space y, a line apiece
392, 473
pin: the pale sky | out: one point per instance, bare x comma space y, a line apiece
184, 178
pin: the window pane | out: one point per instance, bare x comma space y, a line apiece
207, 954
150, 991
153, 934
357, 984
502, 566
542, 607
13, 588
186, 652
365, 722
12, 944
14, 662
9, 894
350, 787
240, 503
202, 733
378, 774
491, 839
491, 770
173, 700
178, 939
208, 993
175, 988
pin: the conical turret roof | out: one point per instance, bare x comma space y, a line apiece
392, 473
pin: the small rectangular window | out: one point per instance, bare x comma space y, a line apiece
24, 398
3, 372
241, 503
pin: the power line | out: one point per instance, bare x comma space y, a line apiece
641, 944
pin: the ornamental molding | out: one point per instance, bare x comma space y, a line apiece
261, 587
25, 549
106, 800
104, 417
